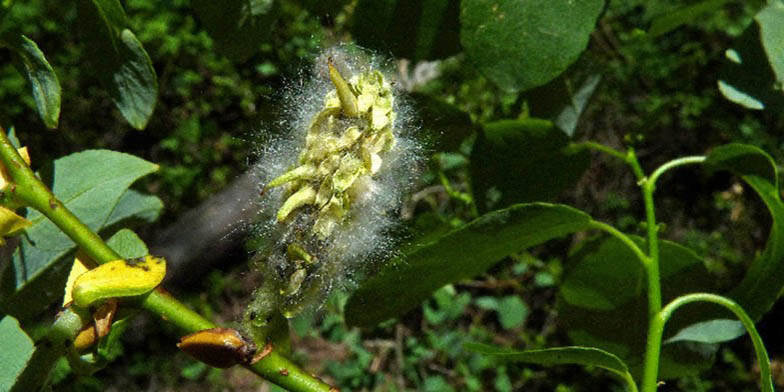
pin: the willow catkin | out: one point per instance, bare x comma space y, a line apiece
332, 184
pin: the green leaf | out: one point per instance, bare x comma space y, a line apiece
90, 184
669, 21
573, 355
764, 279
562, 101
603, 303
445, 125
771, 24
711, 331
135, 205
119, 60
238, 27
753, 73
525, 160
16, 349
33, 65
416, 30
524, 44
127, 244
512, 312
460, 254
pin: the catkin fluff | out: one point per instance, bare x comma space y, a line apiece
332, 183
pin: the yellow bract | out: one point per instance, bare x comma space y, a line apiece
10, 222
118, 278
77, 269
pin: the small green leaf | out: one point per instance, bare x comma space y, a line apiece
562, 101
521, 45
121, 63
412, 29
669, 21
573, 355
525, 160
16, 349
238, 27
512, 312
460, 254
90, 184
445, 125
127, 244
37, 71
711, 331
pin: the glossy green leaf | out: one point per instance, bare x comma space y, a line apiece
573, 355
445, 125
520, 161
416, 30
753, 74
42, 78
120, 62
238, 27
16, 349
90, 184
602, 300
524, 44
562, 101
460, 254
669, 21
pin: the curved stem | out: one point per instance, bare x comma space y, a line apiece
623, 238
748, 323
673, 164
603, 149
30, 190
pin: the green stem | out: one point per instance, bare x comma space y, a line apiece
673, 164
603, 149
748, 323
623, 238
655, 324
32, 192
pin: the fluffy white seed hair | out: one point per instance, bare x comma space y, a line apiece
363, 236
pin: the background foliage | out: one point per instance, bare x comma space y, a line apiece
668, 78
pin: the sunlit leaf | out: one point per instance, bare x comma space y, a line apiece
90, 184
16, 349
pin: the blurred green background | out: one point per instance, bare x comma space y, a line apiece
215, 102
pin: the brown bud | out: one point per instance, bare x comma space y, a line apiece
218, 347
